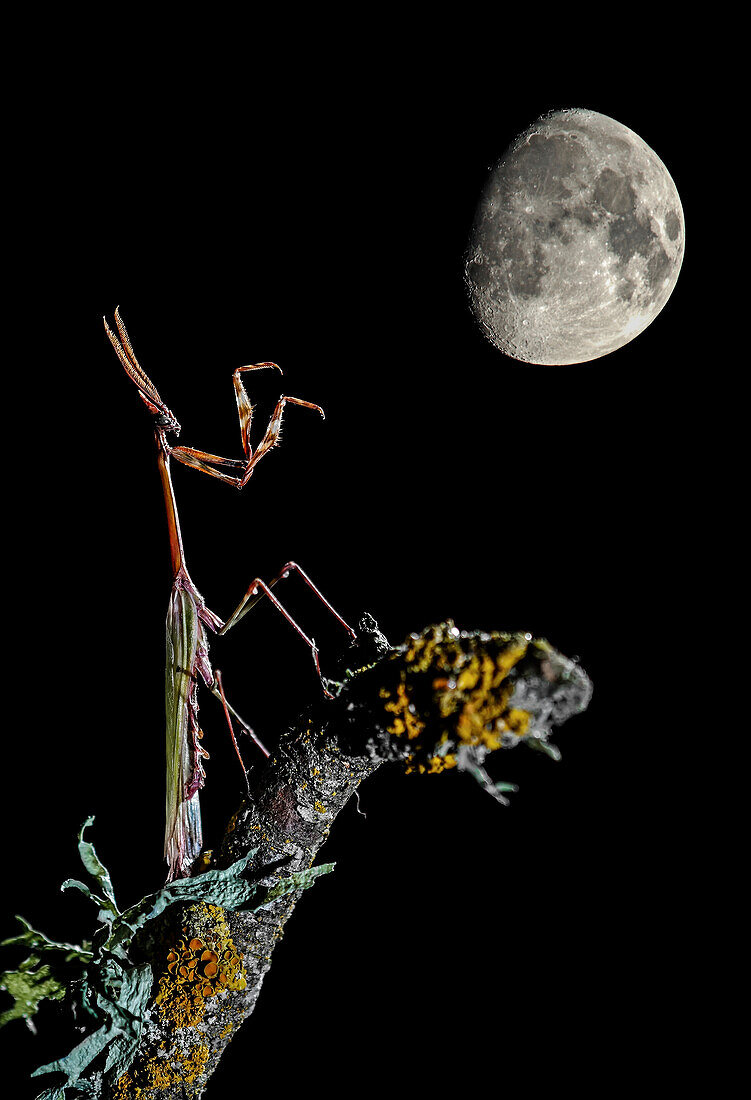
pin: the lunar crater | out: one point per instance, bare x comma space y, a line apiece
577, 241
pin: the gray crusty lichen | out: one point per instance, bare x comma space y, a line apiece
165, 984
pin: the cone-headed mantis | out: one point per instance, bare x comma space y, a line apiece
188, 617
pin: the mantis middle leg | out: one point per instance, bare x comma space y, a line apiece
259, 588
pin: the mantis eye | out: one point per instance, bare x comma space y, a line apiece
167, 422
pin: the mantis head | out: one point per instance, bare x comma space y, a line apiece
164, 419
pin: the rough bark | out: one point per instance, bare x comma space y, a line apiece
441, 700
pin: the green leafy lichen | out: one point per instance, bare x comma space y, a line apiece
31, 984
38, 977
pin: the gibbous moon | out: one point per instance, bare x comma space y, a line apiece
577, 241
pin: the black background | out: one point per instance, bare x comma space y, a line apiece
243, 201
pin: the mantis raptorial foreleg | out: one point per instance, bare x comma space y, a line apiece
204, 462
201, 460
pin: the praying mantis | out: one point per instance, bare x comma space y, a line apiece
188, 618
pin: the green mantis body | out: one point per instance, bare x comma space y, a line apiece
187, 650
188, 617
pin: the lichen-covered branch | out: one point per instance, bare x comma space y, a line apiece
442, 700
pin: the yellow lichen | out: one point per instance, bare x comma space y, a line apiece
149, 1077
434, 765
122, 1087
195, 1061
405, 720
470, 692
202, 964
518, 721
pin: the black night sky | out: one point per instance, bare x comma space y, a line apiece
316, 214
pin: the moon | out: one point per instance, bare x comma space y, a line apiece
577, 240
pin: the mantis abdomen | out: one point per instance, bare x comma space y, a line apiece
186, 656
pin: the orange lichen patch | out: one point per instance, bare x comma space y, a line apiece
198, 967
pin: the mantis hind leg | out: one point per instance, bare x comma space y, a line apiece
217, 688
